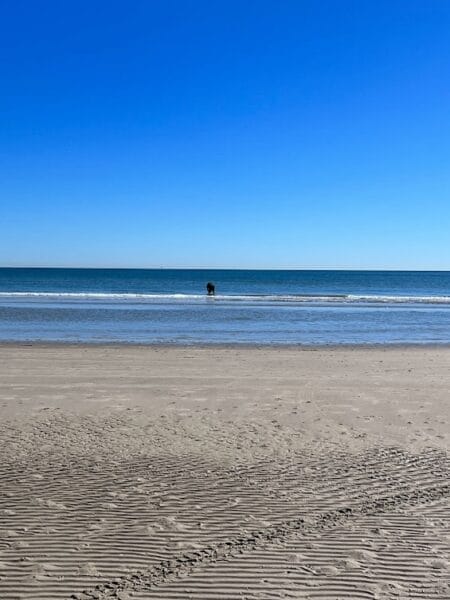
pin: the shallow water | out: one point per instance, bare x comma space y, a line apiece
260, 307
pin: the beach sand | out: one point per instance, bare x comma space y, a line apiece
224, 473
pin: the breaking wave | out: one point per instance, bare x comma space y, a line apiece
130, 297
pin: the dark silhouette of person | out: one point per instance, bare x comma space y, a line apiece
210, 288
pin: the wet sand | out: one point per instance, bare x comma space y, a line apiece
213, 473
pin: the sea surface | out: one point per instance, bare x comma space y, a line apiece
250, 306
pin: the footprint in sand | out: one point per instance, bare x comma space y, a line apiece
172, 524
349, 564
8, 533
89, 569
364, 555
108, 505
439, 563
149, 529
234, 502
327, 570
296, 557
50, 504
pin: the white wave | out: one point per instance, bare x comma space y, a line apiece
96, 295
400, 299
250, 298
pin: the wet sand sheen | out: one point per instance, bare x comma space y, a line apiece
155, 472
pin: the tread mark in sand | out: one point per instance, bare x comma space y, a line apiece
169, 569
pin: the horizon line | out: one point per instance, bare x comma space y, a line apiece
213, 268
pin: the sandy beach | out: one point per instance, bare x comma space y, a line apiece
224, 473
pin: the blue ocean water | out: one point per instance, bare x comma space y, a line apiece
252, 306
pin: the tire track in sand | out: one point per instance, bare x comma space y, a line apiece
168, 570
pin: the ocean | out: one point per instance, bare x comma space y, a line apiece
152, 306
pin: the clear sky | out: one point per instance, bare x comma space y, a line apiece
281, 133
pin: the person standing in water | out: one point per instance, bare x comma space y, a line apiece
210, 288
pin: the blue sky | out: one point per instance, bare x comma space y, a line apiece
225, 134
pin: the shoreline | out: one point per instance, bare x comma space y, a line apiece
227, 345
